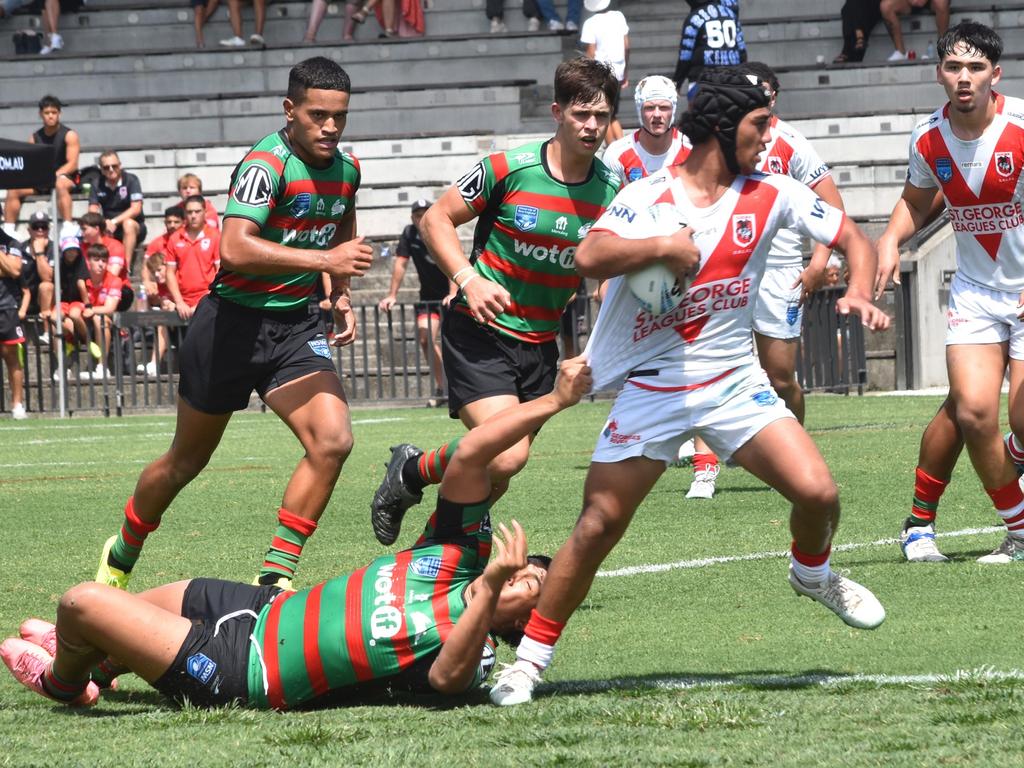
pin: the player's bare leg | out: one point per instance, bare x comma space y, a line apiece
508, 463
1009, 507
784, 456
315, 409
778, 358
428, 333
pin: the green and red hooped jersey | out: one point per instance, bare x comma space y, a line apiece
375, 623
526, 236
294, 205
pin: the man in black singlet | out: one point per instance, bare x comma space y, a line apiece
65, 141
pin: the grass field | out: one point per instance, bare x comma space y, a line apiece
705, 663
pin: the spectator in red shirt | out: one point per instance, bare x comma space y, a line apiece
189, 185
174, 219
192, 258
93, 225
104, 291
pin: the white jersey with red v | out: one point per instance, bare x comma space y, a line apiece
630, 161
982, 184
708, 334
790, 153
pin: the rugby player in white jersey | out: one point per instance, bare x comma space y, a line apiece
657, 142
693, 369
969, 154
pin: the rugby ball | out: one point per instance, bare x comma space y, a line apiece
656, 288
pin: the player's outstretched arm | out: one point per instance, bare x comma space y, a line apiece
455, 666
813, 276
862, 260
466, 479
603, 255
486, 300
915, 208
243, 250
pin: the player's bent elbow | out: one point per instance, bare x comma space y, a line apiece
446, 683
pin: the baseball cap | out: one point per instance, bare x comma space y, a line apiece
420, 204
69, 244
596, 6
39, 217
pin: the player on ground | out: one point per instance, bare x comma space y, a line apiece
534, 203
970, 152
420, 619
694, 370
657, 142
290, 216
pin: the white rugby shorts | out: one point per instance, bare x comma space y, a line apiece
654, 423
777, 311
981, 315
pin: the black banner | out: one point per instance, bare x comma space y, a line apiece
24, 165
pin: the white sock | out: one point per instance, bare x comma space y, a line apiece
810, 574
537, 653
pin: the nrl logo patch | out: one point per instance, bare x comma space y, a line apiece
636, 173
320, 347
428, 567
744, 229
526, 217
943, 169
1004, 163
301, 204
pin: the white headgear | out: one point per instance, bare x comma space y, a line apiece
655, 87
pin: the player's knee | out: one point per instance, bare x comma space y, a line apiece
185, 466
975, 421
599, 527
821, 494
78, 601
336, 447
509, 463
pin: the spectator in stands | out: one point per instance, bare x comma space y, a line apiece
235, 12
572, 15
202, 10
891, 10
73, 293
606, 37
158, 296
92, 233
189, 185
387, 14
712, 37
104, 294
11, 334
37, 271
859, 18
496, 14
50, 18
434, 288
119, 199
66, 146
174, 219
192, 258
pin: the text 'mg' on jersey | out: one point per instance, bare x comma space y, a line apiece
293, 205
526, 236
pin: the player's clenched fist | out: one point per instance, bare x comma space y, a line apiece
682, 256
350, 259
574, 380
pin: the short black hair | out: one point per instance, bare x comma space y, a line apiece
195, 199
977, 37
514, 636
50, 101
583, 81
176, 211
320, 73
763, 72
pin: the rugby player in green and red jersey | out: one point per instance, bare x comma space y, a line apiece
290, 217
533, 205
418, 620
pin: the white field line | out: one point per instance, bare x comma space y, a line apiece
982, 675
704, 562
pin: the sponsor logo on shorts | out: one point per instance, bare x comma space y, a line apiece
635, 174
320, 347
765, 398
301, 205
428, 567
526, 217
612, 435
792, 313
943, 169
201, 667
1004, 163
953, 320
744, 229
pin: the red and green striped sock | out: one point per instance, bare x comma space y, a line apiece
60, 689
428, 469
282, 558
927, 492
126, 550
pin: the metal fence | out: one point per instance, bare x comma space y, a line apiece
386, 364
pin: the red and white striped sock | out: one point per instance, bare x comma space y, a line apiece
810, 569
1009, 502
1015, 449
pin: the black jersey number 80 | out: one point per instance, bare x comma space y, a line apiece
720, 33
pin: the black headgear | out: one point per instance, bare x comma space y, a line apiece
724, 96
